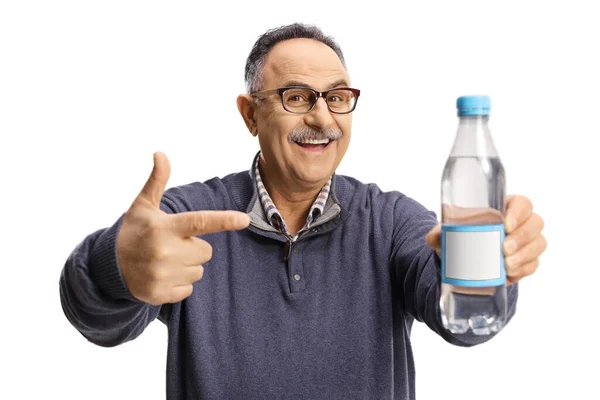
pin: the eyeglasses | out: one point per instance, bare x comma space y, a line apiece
302, 100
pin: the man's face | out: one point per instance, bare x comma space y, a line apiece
309, 63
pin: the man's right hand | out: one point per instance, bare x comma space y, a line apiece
159, 255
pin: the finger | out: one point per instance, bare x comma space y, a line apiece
526, 254
193, 251
523, 271
196, 223
192, 274
518, 210
433, 238
524, 234
154, 188
179, 293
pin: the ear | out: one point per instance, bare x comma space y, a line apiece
245, 104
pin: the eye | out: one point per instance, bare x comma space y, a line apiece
339, 96
298, 98
295, 98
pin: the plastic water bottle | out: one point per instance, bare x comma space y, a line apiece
473, 295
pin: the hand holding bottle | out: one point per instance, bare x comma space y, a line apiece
524, 242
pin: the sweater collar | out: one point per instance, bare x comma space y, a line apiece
272, 213
244, 192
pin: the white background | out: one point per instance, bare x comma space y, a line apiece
89, 90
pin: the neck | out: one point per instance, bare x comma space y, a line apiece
292, 201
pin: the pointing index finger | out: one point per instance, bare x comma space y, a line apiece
196, 223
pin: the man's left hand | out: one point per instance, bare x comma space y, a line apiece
523, 244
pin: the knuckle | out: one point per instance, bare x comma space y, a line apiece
159, 253
158, 275
153, 226
198, 223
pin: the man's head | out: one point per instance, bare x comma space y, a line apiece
298, 56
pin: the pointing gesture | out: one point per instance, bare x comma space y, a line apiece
159, 254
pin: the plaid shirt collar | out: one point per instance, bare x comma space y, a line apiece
272, 213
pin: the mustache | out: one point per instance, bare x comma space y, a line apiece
306, 133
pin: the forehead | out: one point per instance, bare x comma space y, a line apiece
303, 60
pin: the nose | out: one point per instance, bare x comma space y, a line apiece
320, 117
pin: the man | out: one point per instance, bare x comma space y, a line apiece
312, 279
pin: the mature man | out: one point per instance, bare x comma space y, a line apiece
312, 279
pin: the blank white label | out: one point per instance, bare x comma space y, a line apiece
473, 256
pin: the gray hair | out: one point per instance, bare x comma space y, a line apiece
256, 60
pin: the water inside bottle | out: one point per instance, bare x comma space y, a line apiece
473, 194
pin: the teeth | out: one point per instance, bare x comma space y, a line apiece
323, 141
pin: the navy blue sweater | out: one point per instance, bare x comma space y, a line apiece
328, 317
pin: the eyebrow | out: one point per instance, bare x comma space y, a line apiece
339, 82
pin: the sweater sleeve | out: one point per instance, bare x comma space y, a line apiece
93, 293
416, 272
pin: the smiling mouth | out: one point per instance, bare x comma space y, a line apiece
314, 145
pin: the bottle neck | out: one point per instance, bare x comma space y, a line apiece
473, 138
473, 120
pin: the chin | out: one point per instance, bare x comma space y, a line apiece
315, 175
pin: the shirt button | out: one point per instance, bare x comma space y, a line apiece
297, 277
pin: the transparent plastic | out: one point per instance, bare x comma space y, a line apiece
473, 194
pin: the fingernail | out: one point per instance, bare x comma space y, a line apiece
510, 246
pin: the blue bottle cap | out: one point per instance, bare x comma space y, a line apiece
473, 105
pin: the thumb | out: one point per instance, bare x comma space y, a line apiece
154, 188
433, 238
